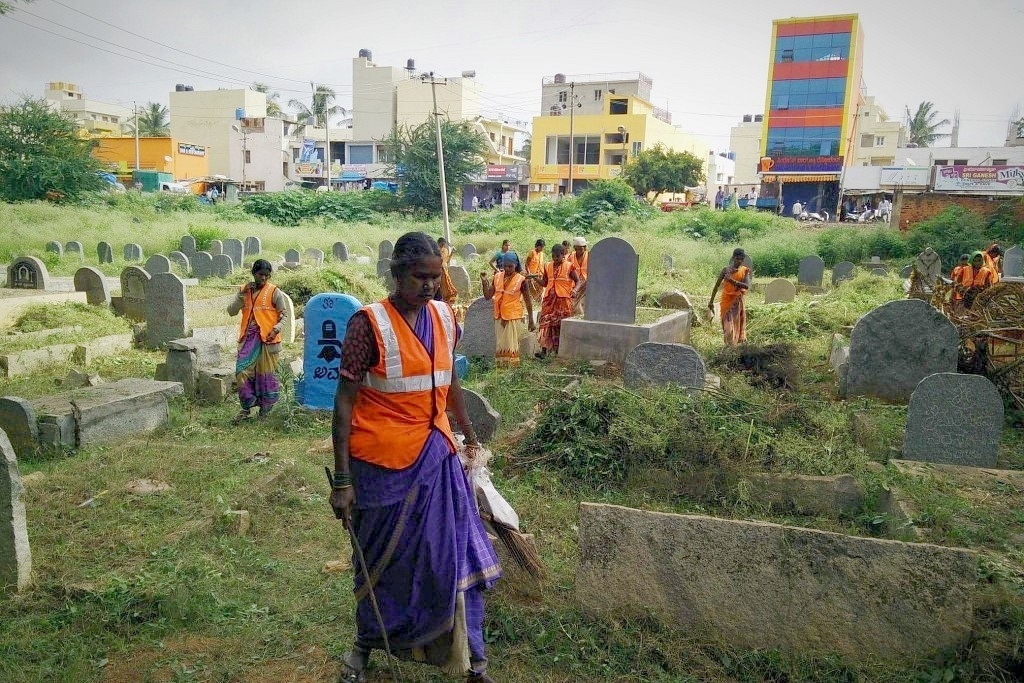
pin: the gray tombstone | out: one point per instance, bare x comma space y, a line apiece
749, 263
202, 265
158, 263
657, 364
811, 271
905, 271
27, 272
879, 272
292, 257
384, 250
15, 556
611, 282
667, 262
315, 256
234, 248
486, 420
1013, 262
187, 246
842, 271
133, 252
181, 260
467, 249
929, 265
779, 291
75, 248
895, 346
223, 266
55, 247
460, 278
478, 338
165, 310
216, 248
18, 419
340, 251
134, 288
875, 259
954, 419
104, 253
253, 246
91, 281
383, 267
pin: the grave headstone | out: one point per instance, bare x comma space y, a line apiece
460, 278
27, 272
954, 419
181, 260
288, 329
91, 281
467, 249
879, 272
749, 263
315, 257
842, 271
134, 288
75, 248
202, 265
611, 282
478, 330
876, 259
486, 420
675, 300
779, 291
292, 257
104, 253
383, 267
657, 364
325, 322
667, 262
216, 248
384, 250
895, 346
158, 263
811, 271
133, 252
340, 251
187, 246
929, 265
15, 555
165, 310
906, 270
1013, 262
55, 247
223, 266
253, 246
234, 248
18, 419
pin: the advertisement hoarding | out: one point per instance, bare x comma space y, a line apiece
995, 179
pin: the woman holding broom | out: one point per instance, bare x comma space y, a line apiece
561, 285
509, 290
735, 281
397, 474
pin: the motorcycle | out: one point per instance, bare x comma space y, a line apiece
813, 216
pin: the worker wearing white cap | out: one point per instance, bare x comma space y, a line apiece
580, 258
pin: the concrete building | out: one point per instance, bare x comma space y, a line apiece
98, 118
878, 137
183, 160
745, 145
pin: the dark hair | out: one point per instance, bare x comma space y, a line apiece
565, 243
262, 264
506, 241
410, 248
558, 249
738, 251
540, 243
441, 242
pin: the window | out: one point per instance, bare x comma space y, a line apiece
959, 162
820, 47
879, 141
637, 148
556, 149
808, 93
614, 138
106, 118
587, 150
618, 106
248, 156
597, 95
385, 154
867, 140
563, 96
555, 110
787, 56
113, 119
941, 162
808, 141
284, 168
999, 162
491, 136
360, 154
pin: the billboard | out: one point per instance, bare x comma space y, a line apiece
996, 179
808, 164
191, 150
906, 176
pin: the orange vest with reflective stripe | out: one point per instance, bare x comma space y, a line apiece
581, 265
405, 394
992, 264
560, 280
508, 297
261, 309
535, 262
969, 277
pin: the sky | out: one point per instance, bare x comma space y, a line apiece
708, 61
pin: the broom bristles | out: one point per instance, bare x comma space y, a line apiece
519, 546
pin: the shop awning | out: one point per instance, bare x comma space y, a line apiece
800, 178
352, 176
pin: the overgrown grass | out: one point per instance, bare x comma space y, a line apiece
71, 322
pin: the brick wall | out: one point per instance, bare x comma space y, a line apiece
915, 208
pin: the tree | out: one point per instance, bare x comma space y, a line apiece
273, 106
321, 111
660, 170
6, 7
922, 128
416, 161
41, 154
153, 121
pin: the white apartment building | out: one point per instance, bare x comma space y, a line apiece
745, 145
99, 118
878, 137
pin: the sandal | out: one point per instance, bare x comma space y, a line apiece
241, 417
351, 675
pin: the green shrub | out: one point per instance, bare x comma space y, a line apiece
1003, 226
294, 206
953, 232
725, 226
205, 235
855, 244
781, 260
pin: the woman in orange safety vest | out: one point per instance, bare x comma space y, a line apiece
508, 290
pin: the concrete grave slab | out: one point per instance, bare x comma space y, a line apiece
133, 252
806, 495
55, 247
326, 320
181, 260
216, 247
15, 553
292, 257
91, 281
486, 420
253, 246
101, 347
467, 249
843, 271
659, 365
75, 248
460, 278
187, 246
340, 251
779, 291
202, 265
315, 257
954, 419
288, 330
611, 342
385, 249
675, 300
104, 253
158, 263
1013, 262
29, 360
27, 272
18, 420
478, 340
839, 353
166, 302
223, 266
811, 271
612, 282
135, 284
234, 248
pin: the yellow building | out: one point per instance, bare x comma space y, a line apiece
181, 159
92, 116
611, 120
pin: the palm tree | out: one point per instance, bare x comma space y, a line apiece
320, 112
273, 107
153, 121
922, 126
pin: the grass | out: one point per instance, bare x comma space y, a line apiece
157, 588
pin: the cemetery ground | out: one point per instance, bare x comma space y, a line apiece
165, 586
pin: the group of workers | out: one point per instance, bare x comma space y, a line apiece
973, 274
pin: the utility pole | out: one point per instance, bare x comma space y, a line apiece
440, 153
135, 106
572, 117
327, 135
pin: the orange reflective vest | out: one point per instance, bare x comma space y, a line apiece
955, 277
508, 297
992, 264
559, 280
976, 277
535, 262
261, 309
581, 264
405, 394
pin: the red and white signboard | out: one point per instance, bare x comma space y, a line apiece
995, 179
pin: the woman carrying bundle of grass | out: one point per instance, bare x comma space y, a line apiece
734, 281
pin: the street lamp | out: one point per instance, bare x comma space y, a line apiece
245, 148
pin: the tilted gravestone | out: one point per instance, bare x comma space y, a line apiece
478, 338
954, 419
779, 291
18, 419
315, 257
895, 346
234, 248
133, 252
842, 271
223, 266
216, 248
384, 250
75, 248
288, 329
460, 278
1013, 262
611, 282
292, 257
165, 310
91, 281
811, 271
181, 260
27, 272
906, 270
467, 249
158, 263
253, 246
134, 288
325, 323
15, 555
104, 253
657, 364
187, 246
340, 251
879, 272
55, 247
928, 264
383, 267
202, 265
667, 262
486, 420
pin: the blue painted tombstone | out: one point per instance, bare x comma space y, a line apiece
326, 320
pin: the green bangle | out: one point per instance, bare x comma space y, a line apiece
341, 480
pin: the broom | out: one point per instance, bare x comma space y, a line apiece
522, 550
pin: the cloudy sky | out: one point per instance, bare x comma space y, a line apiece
709, 61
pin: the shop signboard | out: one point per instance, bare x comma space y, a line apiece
827, 164
995, 179
906, 176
